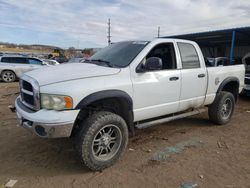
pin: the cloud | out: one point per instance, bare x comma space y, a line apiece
57, 21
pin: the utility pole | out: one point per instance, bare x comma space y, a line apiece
159, 30
109, 36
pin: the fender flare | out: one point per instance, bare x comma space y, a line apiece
226, 81
105, 95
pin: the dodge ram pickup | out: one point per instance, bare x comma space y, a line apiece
127, 85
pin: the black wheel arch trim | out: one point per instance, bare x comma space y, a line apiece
226, 81
105, 94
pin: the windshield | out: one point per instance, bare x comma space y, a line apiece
120, 54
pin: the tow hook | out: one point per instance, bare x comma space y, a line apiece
12, 108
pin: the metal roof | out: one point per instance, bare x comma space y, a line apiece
218, 37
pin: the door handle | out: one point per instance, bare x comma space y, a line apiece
201, 75
173, 78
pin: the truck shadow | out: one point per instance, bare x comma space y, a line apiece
168, 130
43, 157
53, 157
244, 98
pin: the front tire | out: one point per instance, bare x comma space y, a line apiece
102, 139
221, 110
8, 76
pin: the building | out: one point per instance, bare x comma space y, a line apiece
233, 43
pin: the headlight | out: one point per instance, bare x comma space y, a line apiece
56, 102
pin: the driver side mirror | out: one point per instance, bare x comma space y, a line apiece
151, 64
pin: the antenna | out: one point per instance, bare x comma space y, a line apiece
109, 36
159, 30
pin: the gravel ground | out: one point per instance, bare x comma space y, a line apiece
197, 152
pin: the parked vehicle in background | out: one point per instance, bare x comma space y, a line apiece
127, 85
75, 60
1, 54
50, 62
218, 61
60, 59
12, 67
246, 62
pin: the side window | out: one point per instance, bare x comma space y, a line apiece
166, 52
35, 62
5, 60
189, 56
18, 60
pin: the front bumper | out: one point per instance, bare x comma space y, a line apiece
46, 123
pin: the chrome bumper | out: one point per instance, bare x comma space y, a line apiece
46, 123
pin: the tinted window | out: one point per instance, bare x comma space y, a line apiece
166, 53
17, 60
189, 56
35, 62
5, 59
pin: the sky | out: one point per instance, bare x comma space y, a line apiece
81, 23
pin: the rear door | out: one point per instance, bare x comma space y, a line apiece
21, 64
194, 77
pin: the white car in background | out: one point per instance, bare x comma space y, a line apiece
218, 61
12, 67
50, 62
76, 60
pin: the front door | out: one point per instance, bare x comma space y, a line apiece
157, 93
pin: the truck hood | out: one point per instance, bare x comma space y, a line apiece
71, 71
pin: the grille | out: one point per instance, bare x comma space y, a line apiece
30, 93
27, 86
28, 99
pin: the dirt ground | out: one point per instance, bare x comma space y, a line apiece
221, 157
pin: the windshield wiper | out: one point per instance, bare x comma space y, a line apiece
101, 61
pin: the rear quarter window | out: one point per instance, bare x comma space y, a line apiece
17, 60
189, 56
5, 59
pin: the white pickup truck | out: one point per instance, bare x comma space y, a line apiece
127, 85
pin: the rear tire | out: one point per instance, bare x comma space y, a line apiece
101, 140
8, 76
221, 110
